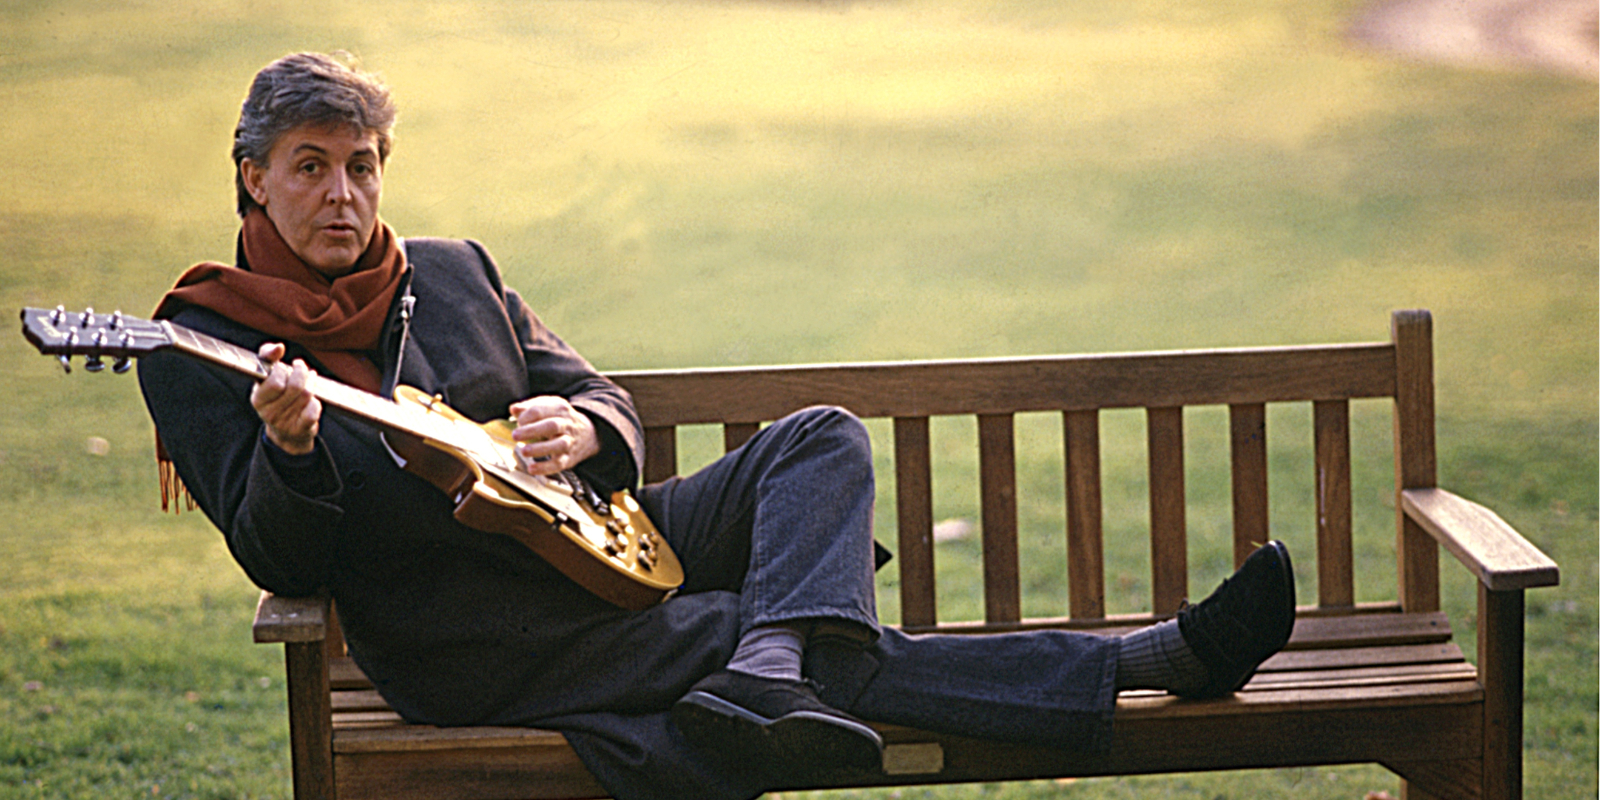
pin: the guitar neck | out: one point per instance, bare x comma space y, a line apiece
361, 404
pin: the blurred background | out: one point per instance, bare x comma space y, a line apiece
679, 183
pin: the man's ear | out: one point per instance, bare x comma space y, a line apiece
255, 178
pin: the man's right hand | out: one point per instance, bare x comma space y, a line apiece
285, 403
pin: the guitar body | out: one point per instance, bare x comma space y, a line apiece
606, 545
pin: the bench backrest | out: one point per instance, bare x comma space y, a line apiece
1079, 388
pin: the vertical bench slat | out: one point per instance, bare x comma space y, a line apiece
1169, 540
1086, 580
1414, 455
1002, 591
913, 491
1335, 570
735, 434
1248, 430
660, 453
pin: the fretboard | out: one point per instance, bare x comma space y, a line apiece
380, 411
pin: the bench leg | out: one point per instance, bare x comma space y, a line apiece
1500, 654
1498, 775
310, 720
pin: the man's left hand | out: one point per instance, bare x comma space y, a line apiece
551, 435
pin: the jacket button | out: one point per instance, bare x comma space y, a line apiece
356, 479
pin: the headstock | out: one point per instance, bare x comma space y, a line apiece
64, 334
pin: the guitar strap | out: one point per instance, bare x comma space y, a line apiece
408, 301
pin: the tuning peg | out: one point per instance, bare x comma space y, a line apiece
66, 358
93, 362
115, 323
121, 365
57, 314
87, 318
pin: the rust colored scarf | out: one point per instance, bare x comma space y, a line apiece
274, 291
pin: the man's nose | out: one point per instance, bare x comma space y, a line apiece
339, 187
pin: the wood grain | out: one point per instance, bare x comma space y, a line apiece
997, 468
1169, 534
1086, 572
1335, 553
993, 386
1489, 547
913, 490
1359, 682
289, 619
310, 720
1247, 429
660, 453
1415, 465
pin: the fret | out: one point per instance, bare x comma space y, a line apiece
215, 350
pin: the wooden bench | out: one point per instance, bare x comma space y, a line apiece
1360, 682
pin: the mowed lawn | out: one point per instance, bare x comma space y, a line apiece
718, 182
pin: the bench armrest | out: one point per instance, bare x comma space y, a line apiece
1480, 539
290, 619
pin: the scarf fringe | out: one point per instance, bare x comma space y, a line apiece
172, 488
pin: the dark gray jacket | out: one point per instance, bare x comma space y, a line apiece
454, 626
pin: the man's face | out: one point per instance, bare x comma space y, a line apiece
320, 187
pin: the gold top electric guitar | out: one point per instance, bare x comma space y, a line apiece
608, 546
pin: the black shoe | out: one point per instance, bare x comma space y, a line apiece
1247, 619
778, 723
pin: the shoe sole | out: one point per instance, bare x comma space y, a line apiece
800, 738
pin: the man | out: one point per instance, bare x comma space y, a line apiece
769, 656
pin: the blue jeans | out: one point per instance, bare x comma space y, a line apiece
786, 522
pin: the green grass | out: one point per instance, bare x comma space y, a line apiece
710, 183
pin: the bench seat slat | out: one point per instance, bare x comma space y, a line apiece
347, 720
1303, 698
344, 674
1289, 660
400, 737
1366, 630
1351, 677
358, 700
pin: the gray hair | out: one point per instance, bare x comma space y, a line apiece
308, 89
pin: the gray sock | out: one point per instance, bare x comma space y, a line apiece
1157, 657
771, 651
